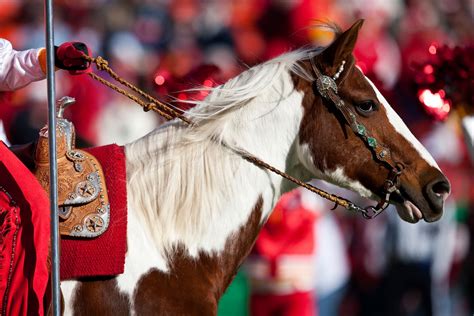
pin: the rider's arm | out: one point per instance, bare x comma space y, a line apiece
19, 68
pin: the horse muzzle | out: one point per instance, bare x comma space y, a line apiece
426, 202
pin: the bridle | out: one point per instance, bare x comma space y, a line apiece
326, 87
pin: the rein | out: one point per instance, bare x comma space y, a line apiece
326, 87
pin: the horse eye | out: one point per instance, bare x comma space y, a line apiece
366, 107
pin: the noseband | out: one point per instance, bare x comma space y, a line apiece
326, 87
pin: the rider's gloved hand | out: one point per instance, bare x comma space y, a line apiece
68, 56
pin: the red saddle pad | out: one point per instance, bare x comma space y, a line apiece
105, 254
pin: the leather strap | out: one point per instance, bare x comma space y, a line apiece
326, 86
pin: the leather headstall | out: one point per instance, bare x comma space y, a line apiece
328, 89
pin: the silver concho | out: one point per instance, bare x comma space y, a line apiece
74, 155
85, 191
323, 84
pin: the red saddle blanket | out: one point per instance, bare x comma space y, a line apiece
105, 254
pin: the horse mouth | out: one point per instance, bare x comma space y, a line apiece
406, 209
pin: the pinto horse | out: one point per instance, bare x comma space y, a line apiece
196, 206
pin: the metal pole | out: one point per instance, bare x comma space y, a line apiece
53, 189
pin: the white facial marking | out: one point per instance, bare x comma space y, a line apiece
402, 129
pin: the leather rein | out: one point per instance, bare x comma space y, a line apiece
325, 86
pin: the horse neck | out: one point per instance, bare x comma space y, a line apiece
197, 196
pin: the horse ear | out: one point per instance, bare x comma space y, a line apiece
342, 47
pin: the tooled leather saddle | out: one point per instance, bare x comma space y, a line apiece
83, 203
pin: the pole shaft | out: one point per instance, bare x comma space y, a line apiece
55, 286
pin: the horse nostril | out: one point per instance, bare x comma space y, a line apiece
441, 188
437, 192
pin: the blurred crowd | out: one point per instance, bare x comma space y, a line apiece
378, 267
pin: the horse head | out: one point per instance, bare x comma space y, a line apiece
341, 142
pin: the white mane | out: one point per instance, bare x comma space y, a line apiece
181, 179
249, 84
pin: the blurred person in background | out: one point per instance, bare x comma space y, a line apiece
417, 277
331, 261
24, 205
452, 292
281, 266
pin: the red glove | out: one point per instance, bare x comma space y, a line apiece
68, 56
